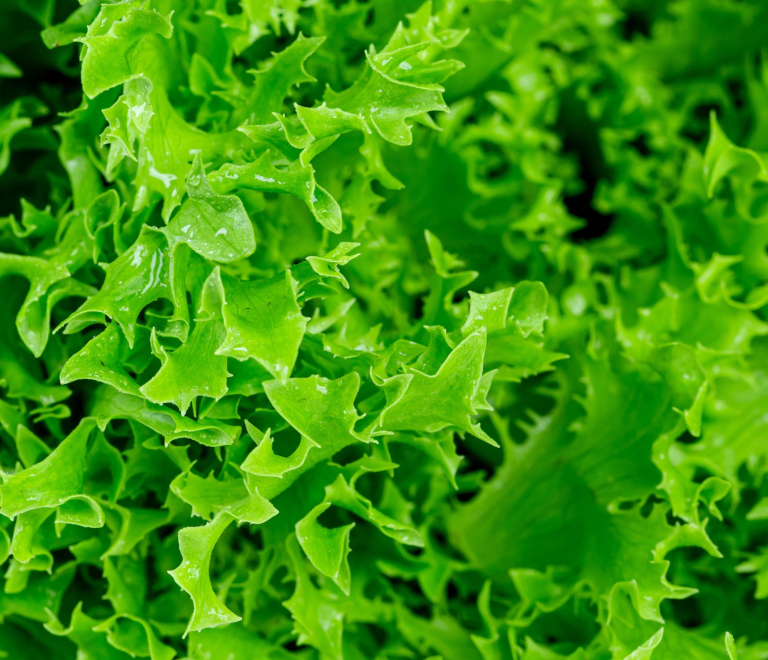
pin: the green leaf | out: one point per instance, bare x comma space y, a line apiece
90, 644
192, 575
386, 158
297, 179
384, 100
609, 455
8, 69
273, 83
209, 496
488, 310
110, 44
135, 279
239, 642
110, 404
412, 398
134, 636
15, 117
74, 26
127, 582
194, 369
46, 288
56, 482
264, 462
104, 359
326, 548
340, 493
328, 264
317, 618
263, 322
133, 525
215, 226
322, 411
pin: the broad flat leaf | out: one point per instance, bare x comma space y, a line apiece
581, 495
194, 369
215, 226
113, 37
321, 410
263, 322
56, 482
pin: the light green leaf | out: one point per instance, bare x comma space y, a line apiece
340, 493
383, 100
321, 410
420, 402
111, 44
215, 226
316, 616
105, 359
240, 643
110, 404
75, 25
46, 288
209, 496
272, 84
91, 645
264, 462
192, 575
56, 482
297, 179
263, 322
128, 119
129, 526
328, 264
136, 278
327, 549
194, 369
134, 635
487, 310
8, 69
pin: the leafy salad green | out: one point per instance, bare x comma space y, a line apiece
384, 329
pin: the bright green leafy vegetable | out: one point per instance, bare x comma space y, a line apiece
388, 329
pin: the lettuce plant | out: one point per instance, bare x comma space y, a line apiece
350, 329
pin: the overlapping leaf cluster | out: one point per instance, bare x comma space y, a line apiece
384, 329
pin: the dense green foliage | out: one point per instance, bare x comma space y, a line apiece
374, 329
